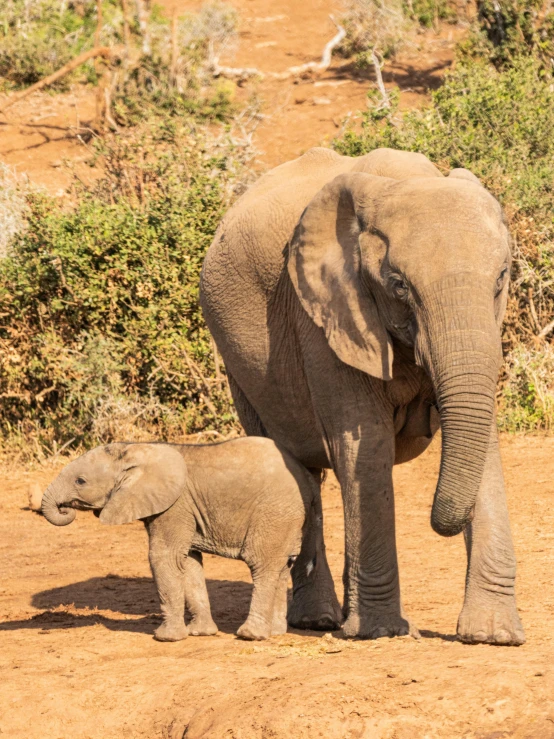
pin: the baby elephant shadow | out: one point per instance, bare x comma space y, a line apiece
130, 596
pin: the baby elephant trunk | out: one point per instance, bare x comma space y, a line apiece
53, 510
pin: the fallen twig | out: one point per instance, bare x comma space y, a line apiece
104, 51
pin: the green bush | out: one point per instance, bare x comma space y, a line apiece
428, 13
147, 86
101, 334
498, 124
507, 29
37, 37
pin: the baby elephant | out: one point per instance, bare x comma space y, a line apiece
245, 498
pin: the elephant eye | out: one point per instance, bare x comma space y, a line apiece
80, 481
501, 280
399, 287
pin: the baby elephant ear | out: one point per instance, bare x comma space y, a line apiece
152, 477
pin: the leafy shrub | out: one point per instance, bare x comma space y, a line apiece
498, 124
150, 85
101, 334
428, 13
37, 37
527, 398
507, 29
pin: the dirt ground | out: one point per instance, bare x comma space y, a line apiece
78, 608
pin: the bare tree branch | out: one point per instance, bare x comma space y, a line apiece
104, 51
379, 78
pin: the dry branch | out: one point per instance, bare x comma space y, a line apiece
379, 78
245, 72
104, 51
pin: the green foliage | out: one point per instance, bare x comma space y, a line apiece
37, 37
101, 334
527, 398
428, 13
507, 29
499, 125
150, 86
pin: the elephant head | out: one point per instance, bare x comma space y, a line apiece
123, 481
426, 261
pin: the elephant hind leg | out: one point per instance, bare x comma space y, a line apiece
248, 417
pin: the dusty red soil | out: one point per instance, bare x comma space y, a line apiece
78, 609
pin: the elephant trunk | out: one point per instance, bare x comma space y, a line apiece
463, 355
53, 509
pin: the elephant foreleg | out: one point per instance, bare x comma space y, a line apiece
372, 604
168, 567
489, 613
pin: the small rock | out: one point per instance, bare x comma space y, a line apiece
321, 101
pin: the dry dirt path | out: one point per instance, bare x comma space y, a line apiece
41, 132
78, 608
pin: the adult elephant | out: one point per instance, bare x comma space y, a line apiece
355, 301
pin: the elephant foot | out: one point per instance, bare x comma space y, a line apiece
253, 631
199, 626
315, 614
171, 632
377, 626
494, 623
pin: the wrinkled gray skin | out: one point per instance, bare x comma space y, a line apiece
243, 499
357, 303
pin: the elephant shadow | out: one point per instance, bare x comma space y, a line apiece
130, 597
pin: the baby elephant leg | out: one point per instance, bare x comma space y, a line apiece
196, 597
259, 623
170, 582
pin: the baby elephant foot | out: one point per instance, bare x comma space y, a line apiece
376, 626
253, 631
199, 626
171, 632
496, 623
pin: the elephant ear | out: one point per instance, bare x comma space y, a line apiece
325, 268
464, 174
152, 477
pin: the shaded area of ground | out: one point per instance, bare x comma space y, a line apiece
77, 610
